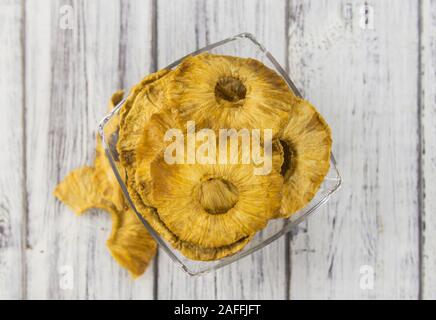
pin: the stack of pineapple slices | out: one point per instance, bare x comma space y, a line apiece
209, 211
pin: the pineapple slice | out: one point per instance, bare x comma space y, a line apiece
218, 91
307, 145
213, 205
144, 99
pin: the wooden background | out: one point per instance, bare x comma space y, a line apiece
369, 66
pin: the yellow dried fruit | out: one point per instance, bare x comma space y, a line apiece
130, 243
219, 91
78, 191
151, 144
154, 131
196, 252
307, 144
209, 211
213, 194
213, 205
116, 98
146, 99
189, 250
104, 179
136, 90
97, 187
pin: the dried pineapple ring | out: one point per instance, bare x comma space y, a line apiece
183, 194
219, 91
137, 89
152, 143
145, 99
189, 250
307, 142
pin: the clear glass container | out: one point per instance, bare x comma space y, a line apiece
242, 45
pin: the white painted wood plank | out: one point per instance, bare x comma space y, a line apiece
176, 39
136, 44
364, 81
261, 275
428, 96
12, 192
71, 73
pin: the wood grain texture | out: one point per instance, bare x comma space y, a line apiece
261, 275
362, 75
372, 78
136, 52
12, 188
70, 75
428, 151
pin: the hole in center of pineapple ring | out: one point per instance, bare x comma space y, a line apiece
217, 195
230, 89
288, 166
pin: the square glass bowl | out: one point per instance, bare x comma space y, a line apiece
242, 45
